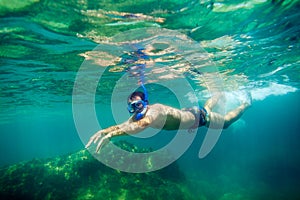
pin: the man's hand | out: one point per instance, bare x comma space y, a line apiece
130, 127
103, 136
99, 137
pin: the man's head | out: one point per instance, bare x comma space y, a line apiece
136, 96
137, 103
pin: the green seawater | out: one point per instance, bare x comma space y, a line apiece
215, 45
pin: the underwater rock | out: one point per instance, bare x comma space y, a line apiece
81, 176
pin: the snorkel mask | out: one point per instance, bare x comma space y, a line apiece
139, 106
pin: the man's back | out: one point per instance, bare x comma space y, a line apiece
169, 118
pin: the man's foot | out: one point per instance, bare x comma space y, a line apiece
246, 98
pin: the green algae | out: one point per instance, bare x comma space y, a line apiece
81, 176
8, 6
14, 51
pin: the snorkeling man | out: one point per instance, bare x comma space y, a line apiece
161, 116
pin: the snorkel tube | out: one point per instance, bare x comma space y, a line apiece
145, 92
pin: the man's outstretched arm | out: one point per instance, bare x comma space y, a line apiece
128, 127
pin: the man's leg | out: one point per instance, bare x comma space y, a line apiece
234, 115
210, 103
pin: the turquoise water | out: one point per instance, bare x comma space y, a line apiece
253, 45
